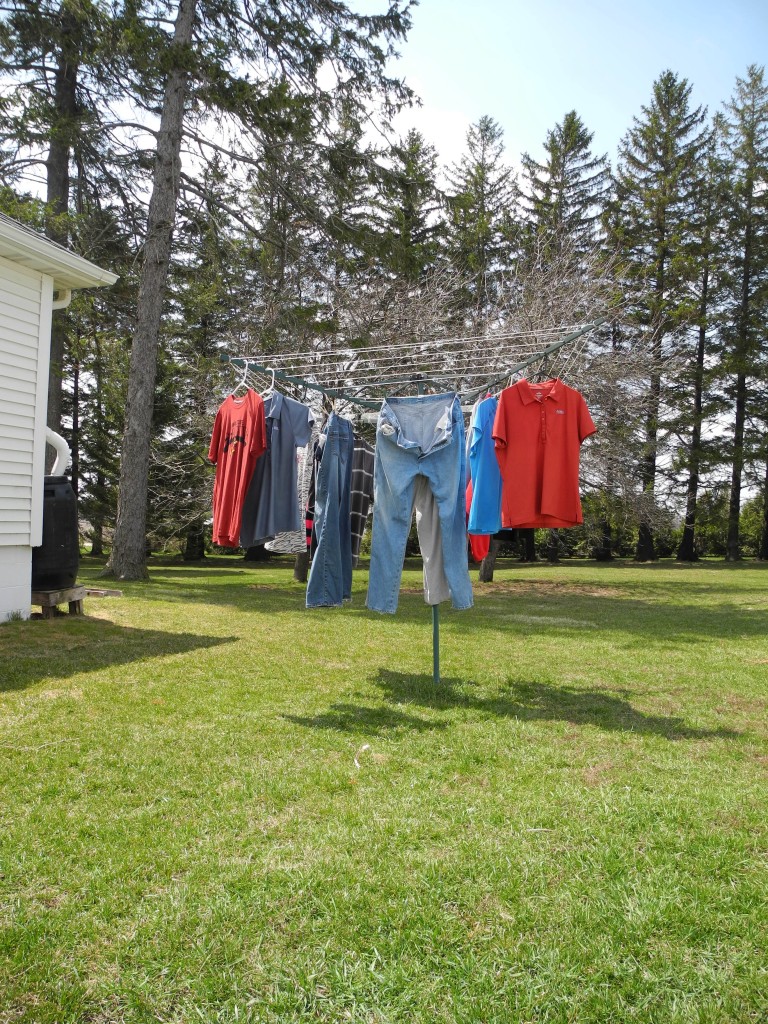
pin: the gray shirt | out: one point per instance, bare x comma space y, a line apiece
271, 503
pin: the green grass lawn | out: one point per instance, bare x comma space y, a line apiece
218, 806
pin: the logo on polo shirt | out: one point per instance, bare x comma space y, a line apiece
560, 412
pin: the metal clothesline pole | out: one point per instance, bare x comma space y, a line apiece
469, 396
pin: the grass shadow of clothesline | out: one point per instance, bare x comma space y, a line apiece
365, 720
534, 701
405, 693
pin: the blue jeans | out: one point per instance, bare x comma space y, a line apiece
420, 462
330, 577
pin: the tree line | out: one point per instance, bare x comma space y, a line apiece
219, 155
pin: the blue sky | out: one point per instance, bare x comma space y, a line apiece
527, 63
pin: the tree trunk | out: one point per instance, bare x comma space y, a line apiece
646, 549
553, 547
687, 549
257, 553
63, 130
527, 539
97, 538
301, 567
762, 553
128, 558
194, 545
733, 546
604, 550
488, 564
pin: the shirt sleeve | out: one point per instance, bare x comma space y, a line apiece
213, 450
301, 421
499, 432
258, 428
586, 425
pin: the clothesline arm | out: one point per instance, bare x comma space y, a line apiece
476, 392
297, 381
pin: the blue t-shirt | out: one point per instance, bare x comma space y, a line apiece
271, 503
485, 510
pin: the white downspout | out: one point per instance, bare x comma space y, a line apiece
63, 300
63, 452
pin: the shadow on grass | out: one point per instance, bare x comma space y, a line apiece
527, 702
541, 702
85, 645
358, 718
664, 616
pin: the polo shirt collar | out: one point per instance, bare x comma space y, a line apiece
527, 391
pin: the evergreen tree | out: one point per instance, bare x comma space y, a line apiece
208, 292
61, 65
655, 191
231, 63
348, 242
409, 210
481, 206
745, 269
695, 402
564, 197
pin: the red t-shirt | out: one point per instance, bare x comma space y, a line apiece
538, 432
479, 543
239, 438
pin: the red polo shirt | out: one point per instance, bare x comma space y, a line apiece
538, 432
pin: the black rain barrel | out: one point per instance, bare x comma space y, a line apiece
56, 561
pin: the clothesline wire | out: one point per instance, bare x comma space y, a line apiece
336, 362
478, 362
331, 373
437, 343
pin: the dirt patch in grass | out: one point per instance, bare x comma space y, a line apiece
546, 587
598, 774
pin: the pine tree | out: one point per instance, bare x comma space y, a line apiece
564, 197
745, 269
409, 210
481, 207
60, 67
231, 63
655, 189
696, 403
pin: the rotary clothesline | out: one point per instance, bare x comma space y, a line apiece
468, 365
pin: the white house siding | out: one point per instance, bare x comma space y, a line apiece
25, 321
15, 575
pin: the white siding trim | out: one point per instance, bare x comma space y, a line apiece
41, 410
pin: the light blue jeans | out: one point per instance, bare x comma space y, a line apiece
330, 576
420, 463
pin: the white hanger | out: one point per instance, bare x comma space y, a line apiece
243, 379
271, 388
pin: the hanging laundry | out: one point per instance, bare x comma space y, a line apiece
485, 512
362, 492
479, 543
538, 430
309, 515
237, 442
330, 575
293, 542
420, 462
271, 503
